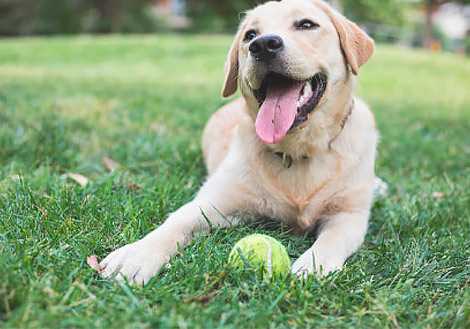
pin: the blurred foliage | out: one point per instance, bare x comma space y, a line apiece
389, 12
26, 17
218, 15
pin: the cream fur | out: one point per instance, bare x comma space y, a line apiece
332, 177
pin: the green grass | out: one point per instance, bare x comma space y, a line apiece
143, 101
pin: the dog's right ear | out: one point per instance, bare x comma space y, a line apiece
231, 66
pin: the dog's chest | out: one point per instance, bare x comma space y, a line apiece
297, 192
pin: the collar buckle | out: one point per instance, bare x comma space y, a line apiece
286, 159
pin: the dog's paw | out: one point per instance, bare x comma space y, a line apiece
305, 265
137, 263
311, 263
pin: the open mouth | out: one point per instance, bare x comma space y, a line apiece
285, 104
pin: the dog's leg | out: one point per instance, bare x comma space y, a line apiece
138, 262
340, 236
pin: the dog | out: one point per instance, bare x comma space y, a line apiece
297, 146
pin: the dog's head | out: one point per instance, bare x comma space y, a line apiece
285, 57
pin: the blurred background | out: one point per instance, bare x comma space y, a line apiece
439, 25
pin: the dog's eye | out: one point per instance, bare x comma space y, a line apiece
250, 35
305, 24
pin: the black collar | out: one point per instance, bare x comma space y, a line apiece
343, 123
288, 161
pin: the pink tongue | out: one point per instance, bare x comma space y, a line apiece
277, 114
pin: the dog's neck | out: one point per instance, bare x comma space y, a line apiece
288, 160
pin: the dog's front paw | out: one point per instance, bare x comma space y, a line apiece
312, 262
137, 263
304, 265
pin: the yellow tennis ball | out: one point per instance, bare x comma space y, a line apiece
261, 251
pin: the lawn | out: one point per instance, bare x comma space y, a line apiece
65, 103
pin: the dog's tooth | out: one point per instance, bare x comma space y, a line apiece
308, 90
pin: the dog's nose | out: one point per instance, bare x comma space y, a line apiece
266, 47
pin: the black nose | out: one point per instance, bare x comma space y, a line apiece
266, 47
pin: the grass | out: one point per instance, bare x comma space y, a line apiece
143, 101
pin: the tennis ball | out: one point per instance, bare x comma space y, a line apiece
261, 251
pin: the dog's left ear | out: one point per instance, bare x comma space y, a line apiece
231, 66
357, 46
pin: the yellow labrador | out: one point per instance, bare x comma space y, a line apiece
298, 146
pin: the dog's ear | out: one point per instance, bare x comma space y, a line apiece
357, 46
231, 66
